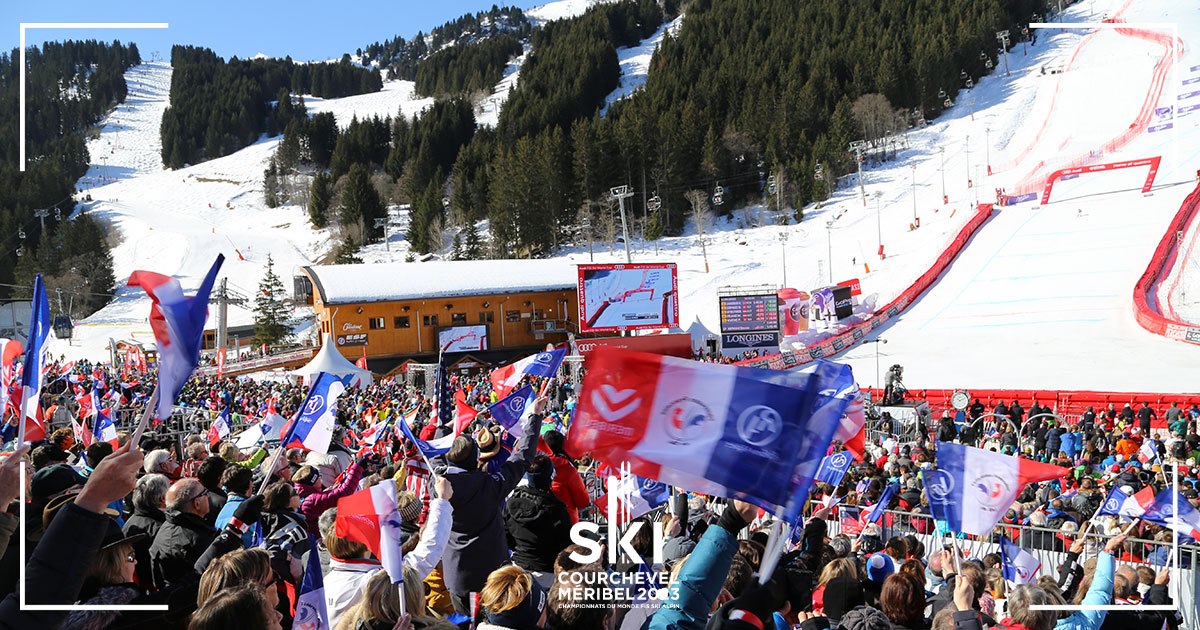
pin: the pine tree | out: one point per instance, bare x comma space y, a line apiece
361, 203
271, 313
457, 252
472, 247
319, 196
271, 184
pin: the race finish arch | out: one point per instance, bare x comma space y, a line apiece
1152, 162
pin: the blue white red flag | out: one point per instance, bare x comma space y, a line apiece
636, 495
981, 485
1185, 521
505, 379
267, 429
10, 349
1020, 566
313, 427
834, 467
512, 410
1128, 506
744, 433
311, 613
885, 499
103, 428
430, 449
220, 427
32, 428
370, 517
178, 324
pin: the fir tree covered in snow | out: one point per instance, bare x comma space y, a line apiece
271, 312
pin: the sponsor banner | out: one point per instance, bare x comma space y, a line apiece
1012, 200
762, 339
1191, 80
1194, 69
675, 345
628, 297
1182, 333
1162, 127
1189, 95
854, 284
843, 304
1189, 108
354, 339
1162, 112
793, 308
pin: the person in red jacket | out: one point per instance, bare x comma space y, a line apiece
568, 485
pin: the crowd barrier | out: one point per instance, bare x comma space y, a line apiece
854, 334
1148, 317
1041, 543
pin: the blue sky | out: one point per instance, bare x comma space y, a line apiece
304, 29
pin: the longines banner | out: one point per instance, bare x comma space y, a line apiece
750, 340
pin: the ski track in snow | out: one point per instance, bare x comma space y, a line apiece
1040, 298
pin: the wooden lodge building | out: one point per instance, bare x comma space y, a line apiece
484, 311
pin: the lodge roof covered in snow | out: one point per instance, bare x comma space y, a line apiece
389, 282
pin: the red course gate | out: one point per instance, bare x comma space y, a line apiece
1152, 162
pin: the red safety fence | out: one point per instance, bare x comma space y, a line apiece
1161, 263
852, 335
1064, 402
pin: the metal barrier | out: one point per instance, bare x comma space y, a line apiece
1045, 544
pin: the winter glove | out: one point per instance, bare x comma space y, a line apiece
247, 512
755, 608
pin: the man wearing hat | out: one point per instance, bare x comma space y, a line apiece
477, 542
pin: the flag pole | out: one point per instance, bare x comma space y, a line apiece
270, 470
403, 610
151, 408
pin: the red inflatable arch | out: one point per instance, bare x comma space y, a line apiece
1152, 162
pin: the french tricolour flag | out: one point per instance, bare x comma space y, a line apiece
636, 495
1129, 506
178, 324
885, 499
266, 429
32, 428
10, 349
756, 435
505, 379
103, 428
313, 428
1163, 512
370, 517
981, 485
1020, 566
311, 613
510, 411
220, 427
432, 448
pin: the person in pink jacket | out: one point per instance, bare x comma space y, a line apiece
324, 498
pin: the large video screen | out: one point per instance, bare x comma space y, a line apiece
749, 313
463, 338
628, 297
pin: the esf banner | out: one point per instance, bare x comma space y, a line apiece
750, 340
353, 339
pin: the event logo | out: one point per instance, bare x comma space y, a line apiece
315, 404
517, 405
307, 617
611, 403
1167, 511
839, 461
687, 419
995, 492
939, 486
620, 544
759, 425
1111, 505
543, 358
652, 485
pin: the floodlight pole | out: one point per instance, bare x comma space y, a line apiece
621, 193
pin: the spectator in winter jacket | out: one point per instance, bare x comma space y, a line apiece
477, 542
236, 481
1145, 415
323, 499
536, 522
209, 473
568, 485
184, 536
149, 499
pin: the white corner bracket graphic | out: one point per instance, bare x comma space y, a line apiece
62, 25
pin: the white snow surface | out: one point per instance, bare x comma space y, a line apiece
406, 281
560, 10
635, 63
176, 222
1040, 298
487, 110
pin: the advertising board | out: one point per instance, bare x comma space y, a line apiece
628, 297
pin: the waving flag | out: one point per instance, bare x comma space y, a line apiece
266, 429
638, 494
1186, 521
311, 613
982, 485
851, 429
755, 435
1020, 566
512, 410
178, 324
32, 427
443, 396
313, 427
370, 517
220, 427
885, 499
848, 518
1128, 506
431, 449
464, 414
1149, 451
10, 349
81, 433
103, 428
505, 379
834, 467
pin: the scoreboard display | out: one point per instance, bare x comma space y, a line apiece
748, 313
